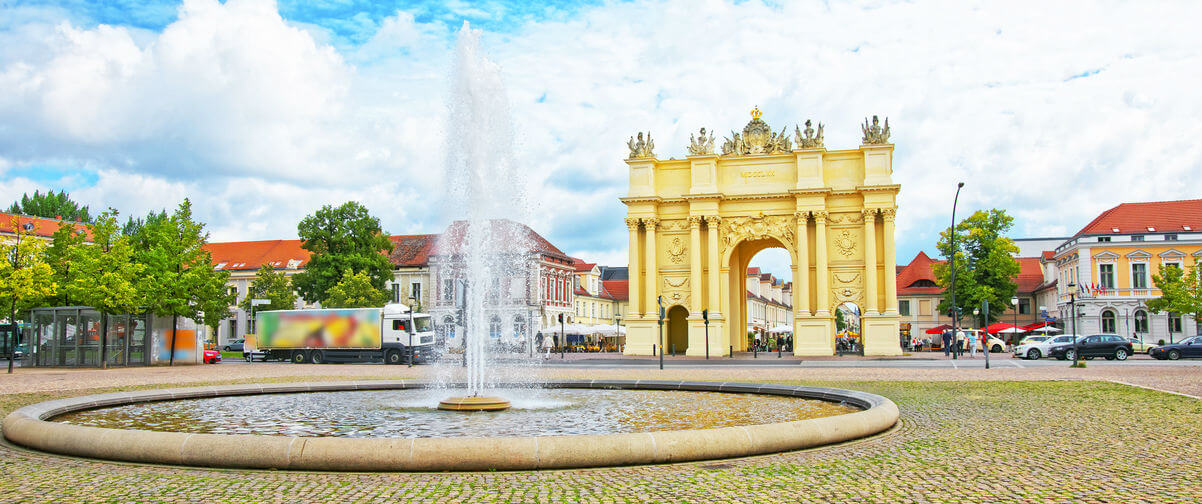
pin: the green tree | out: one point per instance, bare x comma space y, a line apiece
1180, 291
25, 278
342, 238
50, 206
179, 279
273, 285
133, 227
62, 245
985, 264
840, 323
106, 275
355, 290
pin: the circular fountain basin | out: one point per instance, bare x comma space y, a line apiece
38, 426
473, 403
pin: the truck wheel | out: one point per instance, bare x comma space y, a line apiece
299, 357
317, 357
392, 357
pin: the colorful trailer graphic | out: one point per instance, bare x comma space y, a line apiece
333, 328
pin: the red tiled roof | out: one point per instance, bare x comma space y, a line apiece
582, 266
617, 289
249, 255
753, 271
41, 226
920, 268
1030, 274
503, 231
411, 250
1163, 216
1049, 255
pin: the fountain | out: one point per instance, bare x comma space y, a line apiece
482, 181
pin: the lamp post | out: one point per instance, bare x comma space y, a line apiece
976, 312
660, 300
985, 336
12, 312
955, 310
705, 316
1072, 303
1014, 304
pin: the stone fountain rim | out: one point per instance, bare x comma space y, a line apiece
29, 427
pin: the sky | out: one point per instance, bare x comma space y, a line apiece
261, 112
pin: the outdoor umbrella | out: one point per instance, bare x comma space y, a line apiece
1047, 329
938, 329
997, 327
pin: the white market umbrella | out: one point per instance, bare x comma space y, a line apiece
783, 328
1013, 330
1048, 329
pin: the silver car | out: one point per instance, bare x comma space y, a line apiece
1036, 349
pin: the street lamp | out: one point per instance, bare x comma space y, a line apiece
1072, 303
955, 311
12, 314
705, 316
660, 300
1014, 304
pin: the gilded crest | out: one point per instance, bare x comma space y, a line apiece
676, 251
846, 243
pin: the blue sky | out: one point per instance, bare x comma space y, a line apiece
260, 112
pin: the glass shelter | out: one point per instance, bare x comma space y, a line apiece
70, 336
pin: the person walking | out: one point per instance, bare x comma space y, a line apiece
947, 342
547, 344
972, 346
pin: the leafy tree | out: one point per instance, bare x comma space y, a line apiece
273, 285
1180, 291
342, 238
179, 279
50, 205
106, 275
985, 264
25, 278
58, 255
840, 323
355, 290
133, 227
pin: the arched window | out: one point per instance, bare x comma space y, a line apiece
1108, 326
1141, 321
494, 327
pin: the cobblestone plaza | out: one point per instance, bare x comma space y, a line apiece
966, 435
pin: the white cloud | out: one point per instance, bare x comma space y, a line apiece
260, 121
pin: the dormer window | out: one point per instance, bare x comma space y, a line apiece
1103, 239
1137, 237
1170, 237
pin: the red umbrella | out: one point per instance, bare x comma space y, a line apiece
938, 329
998, 327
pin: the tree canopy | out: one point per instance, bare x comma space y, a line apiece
50, 205
178, 278
58, 256
26, 280
273, 285
105, 275
341, 238
1180, 291
985, 264
355, 291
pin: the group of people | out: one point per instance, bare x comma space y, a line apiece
960, 341
784, 343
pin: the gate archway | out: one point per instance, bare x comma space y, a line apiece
677, 330
695, 222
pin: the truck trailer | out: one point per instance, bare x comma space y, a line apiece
319, 336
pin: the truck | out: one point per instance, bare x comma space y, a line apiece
391, 334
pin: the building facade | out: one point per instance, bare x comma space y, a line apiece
1111, 262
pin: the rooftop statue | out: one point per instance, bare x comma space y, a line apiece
703, 145
808, 140
874, 134
757, 138
640, 148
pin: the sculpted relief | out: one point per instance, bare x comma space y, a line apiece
780, 227
676, 291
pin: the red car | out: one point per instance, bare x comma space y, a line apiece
212, 356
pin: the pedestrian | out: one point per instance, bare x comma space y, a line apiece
789, 342
547, 346
959, 343
972, 346
947, 342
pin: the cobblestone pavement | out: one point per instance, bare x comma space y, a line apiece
1013, 435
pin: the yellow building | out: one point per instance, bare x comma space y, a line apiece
593, 304
1112, 260
695, 224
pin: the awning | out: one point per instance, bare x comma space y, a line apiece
997, 327
783, 328
938, 329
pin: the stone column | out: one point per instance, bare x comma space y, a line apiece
695, 266
824, 280
870, 284
635, 310
890, 263
801, 274
649, 223
712, 223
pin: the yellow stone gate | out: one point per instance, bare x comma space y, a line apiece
695, 224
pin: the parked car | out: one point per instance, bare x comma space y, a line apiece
212, 357
1142, 347
250, 354
1184, 349
1096, 345
1034, 339
1035, 349
234, 346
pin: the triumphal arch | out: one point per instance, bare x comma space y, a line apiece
695, 224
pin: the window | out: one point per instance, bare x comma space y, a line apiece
448, 290
415, 291
1104, 239
1170, 237
1106, 275
1024, 306
1141, 321
396, 293
1139, 276
494, 328
1108, 322
1170, 265
1174, 322
1137, 237
903, 307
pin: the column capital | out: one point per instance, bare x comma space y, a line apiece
632, 223
695, 221
888, 214
713, 220
870, 213
651, 222
820, 216
802, 216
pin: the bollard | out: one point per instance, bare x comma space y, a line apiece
755, 351
674, 349
732, 351
653, 349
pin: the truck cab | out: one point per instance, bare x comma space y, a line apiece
397, 334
